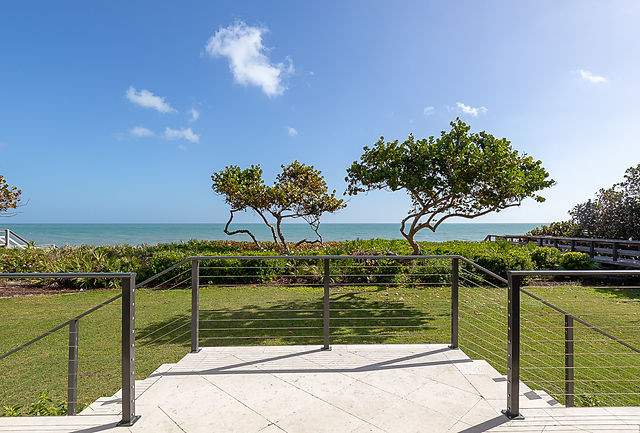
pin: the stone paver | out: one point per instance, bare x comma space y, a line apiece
352, 388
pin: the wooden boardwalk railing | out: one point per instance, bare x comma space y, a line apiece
9, 239
611, 251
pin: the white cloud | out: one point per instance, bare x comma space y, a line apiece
591, 77
141, 132
428, 111
181, 134
146, 99
182, 147
472, 111
242, 46
194, 115
292, 131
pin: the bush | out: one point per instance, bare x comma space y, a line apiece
575, 261
546, 258
148, 260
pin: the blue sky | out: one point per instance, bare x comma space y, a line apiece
97, 100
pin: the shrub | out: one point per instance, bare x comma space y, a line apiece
573, 260
546, 257
148, 260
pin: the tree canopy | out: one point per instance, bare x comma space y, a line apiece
299, 191
457, 174
9, 196
613, 213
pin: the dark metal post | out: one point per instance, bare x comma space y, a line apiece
539, 242
72, 372
573, 245
615, 251
7, 233
569, 391
455, 273
513, 348
195, 305
555, 243
326, 280
592, 249
128, 351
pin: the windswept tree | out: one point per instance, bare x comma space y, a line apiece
9, 197
299, 192
458, 174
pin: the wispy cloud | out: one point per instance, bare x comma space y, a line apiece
181, 134
193, 115
242, 45
292, 131
141, 132
428, 111
182, 147
146, 99
591, 77
472, 111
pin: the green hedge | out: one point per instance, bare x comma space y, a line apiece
147, 260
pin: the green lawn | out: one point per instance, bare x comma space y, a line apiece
606, 372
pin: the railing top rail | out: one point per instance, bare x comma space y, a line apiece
16, 235
331, 257
578, 239
586, 273
66, 275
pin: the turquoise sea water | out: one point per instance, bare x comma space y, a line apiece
103, 234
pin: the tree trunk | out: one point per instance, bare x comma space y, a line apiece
410, 238
283, 241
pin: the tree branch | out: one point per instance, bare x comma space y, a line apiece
235, 232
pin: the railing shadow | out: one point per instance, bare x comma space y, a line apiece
354, 318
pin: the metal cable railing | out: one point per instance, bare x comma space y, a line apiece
575, 338
325, 300
19, 360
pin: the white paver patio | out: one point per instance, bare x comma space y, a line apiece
352, 388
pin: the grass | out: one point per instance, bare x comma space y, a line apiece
606, 372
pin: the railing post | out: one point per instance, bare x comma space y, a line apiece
455, 278
72, 372
539, 242
326, 280
615, 251
569, 390
592, 249
128, 351
556, 243
195, 305
7, 232
513, 348
573, 245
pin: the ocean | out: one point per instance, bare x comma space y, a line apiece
106, 234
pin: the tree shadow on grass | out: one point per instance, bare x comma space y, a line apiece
354, 319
